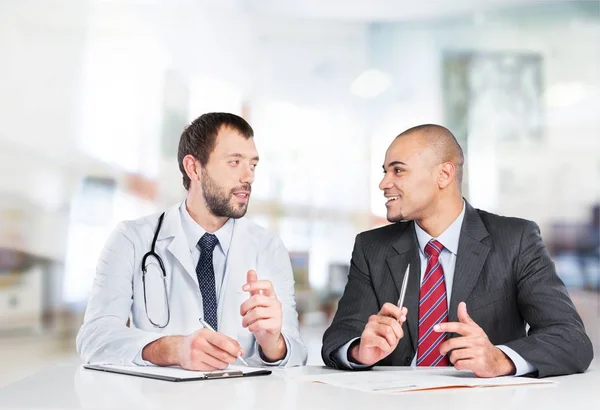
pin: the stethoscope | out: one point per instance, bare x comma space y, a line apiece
164, 275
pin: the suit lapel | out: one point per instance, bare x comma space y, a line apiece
471, 256
407, 253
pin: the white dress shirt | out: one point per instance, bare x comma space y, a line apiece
449, 239
193, 232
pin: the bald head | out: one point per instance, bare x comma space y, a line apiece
441, 142
422, 174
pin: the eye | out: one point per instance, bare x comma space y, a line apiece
398, 170
253, 166
234, 163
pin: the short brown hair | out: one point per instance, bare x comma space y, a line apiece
200, 137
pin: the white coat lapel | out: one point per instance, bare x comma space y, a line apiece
242, 257
178, 246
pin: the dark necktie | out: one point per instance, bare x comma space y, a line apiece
206, 278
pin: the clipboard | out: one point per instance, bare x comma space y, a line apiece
175, 374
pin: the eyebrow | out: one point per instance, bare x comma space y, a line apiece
391, 164
238, 155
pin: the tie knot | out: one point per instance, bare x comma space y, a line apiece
208, 242
433, 248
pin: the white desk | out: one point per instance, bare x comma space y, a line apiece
67, 386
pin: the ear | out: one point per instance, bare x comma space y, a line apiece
192, 168
446, 174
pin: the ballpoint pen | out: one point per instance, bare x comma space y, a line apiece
207, 326
404, 286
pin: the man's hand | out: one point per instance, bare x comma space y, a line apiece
203, 350
473, 351
262, 315
380, 336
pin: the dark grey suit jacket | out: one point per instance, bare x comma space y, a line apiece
504, 274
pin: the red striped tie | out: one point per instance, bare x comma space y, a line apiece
433, 309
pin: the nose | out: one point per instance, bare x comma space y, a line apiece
247, 176
385, 183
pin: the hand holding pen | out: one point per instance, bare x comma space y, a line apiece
382, 332
209, 327
203, 350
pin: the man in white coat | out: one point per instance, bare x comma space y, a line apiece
158, 275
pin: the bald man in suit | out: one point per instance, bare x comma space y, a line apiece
476, 280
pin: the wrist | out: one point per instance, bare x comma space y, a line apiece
504, 364
275, 351
164, 351
353, 352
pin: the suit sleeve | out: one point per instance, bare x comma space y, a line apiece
356, 305
277, 267
556, 343
104, 336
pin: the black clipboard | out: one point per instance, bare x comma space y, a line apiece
215, 375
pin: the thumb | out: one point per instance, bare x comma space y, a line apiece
462, 314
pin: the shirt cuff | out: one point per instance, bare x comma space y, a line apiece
281, 362
141, 362
341, 355
522, 366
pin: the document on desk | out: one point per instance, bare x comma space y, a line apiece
177, 374
390, 381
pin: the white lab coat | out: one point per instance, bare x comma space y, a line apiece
117, 293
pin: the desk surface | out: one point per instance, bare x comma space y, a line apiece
68, 386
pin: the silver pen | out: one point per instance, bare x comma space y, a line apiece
404, 286
207, 326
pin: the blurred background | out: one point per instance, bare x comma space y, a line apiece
94, 95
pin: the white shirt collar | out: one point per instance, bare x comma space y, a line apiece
193, 230
449, 238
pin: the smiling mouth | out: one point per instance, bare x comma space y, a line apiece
242, 195
392, 198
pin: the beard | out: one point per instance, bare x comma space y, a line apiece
218, 201
397, 217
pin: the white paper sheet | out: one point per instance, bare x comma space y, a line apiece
389, 381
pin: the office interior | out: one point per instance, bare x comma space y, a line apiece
94, 95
